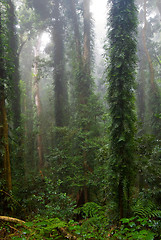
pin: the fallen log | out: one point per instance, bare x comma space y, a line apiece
12, 220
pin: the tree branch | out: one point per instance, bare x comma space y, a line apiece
10, 219
21, 46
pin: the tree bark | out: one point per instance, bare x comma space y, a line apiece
13, 44
4, 140
83, 83
87, 34
4, 143
151, 68
141, 93
12, 220
39, 110
60, 86
76, 31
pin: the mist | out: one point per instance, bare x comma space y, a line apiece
80, 119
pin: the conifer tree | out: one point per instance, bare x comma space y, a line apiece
122, 37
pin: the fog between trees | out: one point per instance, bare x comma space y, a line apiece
80, 119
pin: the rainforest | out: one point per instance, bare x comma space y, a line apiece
80, 119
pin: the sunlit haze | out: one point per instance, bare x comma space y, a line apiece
45, 39
98, 10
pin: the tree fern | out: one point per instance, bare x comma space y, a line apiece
148, 210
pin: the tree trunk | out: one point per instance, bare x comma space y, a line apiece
39, 110
4, 140
4, 143
141, 94
87, 34
121, 82
76, 30
146, 49
60, 85
13, 44
83, 85
28, 108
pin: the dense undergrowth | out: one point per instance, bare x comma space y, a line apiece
51, 213
95, 224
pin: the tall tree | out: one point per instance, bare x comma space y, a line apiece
4, 142
122, 37
87, 35
13, 44
17, 143
154, 101
38, 108
75, 24
60, 85
52, 12
83, 92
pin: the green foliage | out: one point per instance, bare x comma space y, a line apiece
95, 224
66, 160
38, 229
121, 79
8, 201
5, 47
149, 167
134, 228
88, 210
47, 200
44, 228
146, 208
29, 22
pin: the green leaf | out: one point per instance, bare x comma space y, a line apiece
125, 220
29, 224
132, 224
150, 236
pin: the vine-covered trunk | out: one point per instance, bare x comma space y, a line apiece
82, 86
121, 80
76, 31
